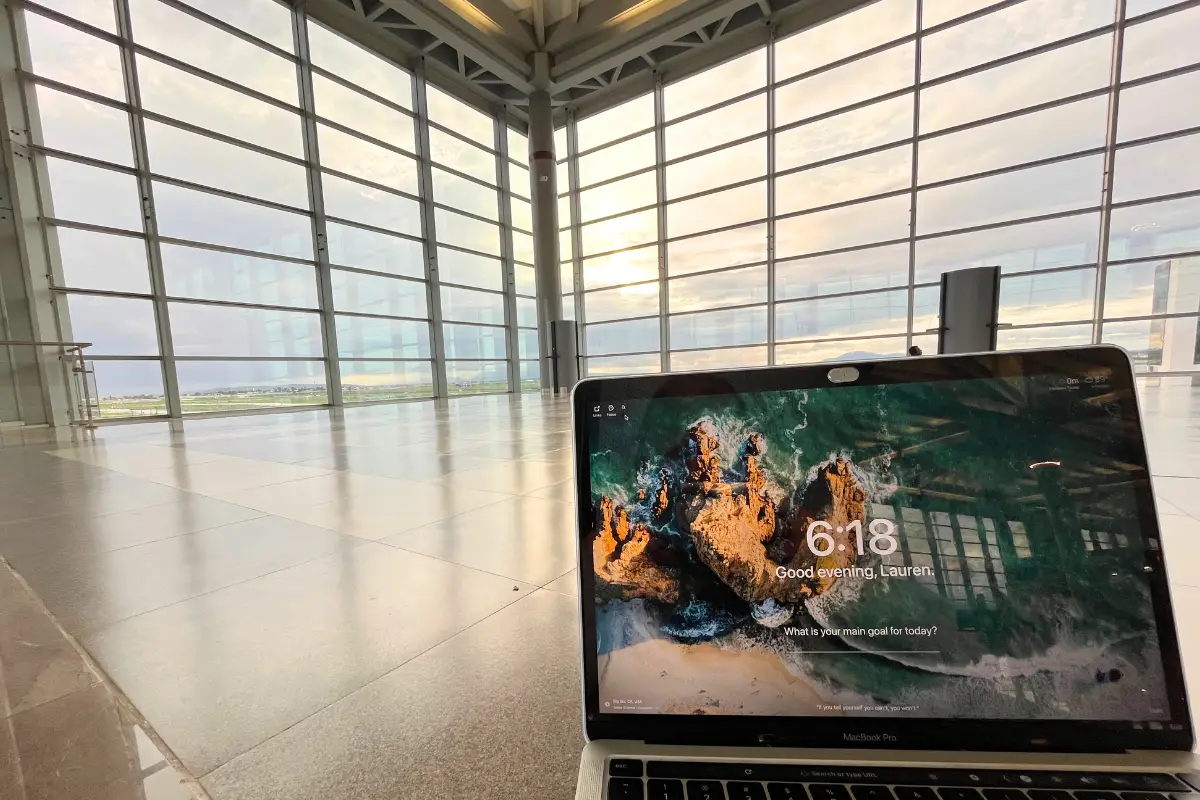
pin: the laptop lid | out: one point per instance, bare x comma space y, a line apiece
949, 552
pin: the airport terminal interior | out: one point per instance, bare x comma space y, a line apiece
286, 499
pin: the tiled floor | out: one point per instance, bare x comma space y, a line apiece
373, 604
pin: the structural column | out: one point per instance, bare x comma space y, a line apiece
544, 194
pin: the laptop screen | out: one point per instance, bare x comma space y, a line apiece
955, 549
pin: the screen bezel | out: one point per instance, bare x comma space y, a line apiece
993, 734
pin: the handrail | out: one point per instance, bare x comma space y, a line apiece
16, 343
81, 369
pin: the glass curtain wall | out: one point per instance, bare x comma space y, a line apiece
800, 202
246, 210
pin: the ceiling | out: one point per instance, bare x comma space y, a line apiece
596, 51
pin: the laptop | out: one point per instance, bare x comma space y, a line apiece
909, 579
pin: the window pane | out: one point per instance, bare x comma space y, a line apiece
1048, 297
522, 247
844, 36
565, 249
1031, 81
1057, 131
460, 117
614, 198
852, 83
725, 166
1155, 229
461, 193
98, 13
935, 12
116, 326
177, 153
927, 311
1164, 286
265, 19
1164, 106
522, 215
90, 194
718, 289
518, 145
199, 330
739, 76
472, 341
358, 202
1037, 338
1158, 45
635, 336
372, 337
839, 317
629, 117
1007, 31
620, 159
526, 280
213, 275
375, 294
719, 328
187, 98
1155, 169
862, 223
885, 171
476, 377
856, 271
80, 126
1156, 345
464, 305
129, 389
72, 57
182, 36
462, 156
1062, 242
745, 118
876, 124
719, 359
99, 261
730, 248
527, 344
854, 350
620, 232
361, 159
467, 232
627, 266
213, 386
354, 110
639, 300
363, 249
743, 204
202, 217
1025, 193
623, 365
455, 266
1134, 8
368, 381
527, 316
359, 67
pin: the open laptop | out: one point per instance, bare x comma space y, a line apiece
911, 579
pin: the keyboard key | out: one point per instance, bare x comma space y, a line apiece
871, 793
955, 793
1191, 779
1049, 794
1156, 782
1144, 796
625, 767
828, 791
916, 793
705, 790
626, 789
666, 789
740, 790
786, 791
1084, 795
1004, 794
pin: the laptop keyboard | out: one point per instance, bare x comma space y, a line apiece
634, 779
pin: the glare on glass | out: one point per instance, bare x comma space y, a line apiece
74, 58
624, 365
204, 330
870, 314
613, 123
1161, 44
214, 386
627, 266
620, 159
1166, 105
195, 272
350, 246
879, 123
203, 217
80, 126
460, 193
460, 117
718, 289
619, 232
469, 269
358, 66
744, 118
618, 197
725, 358
462, 231
378, 294
732, 326
1146, 288
116, 326
872, 222
854, 271
729, 207
865, 349
858, 81
467, 305
737, 77
1155, 229
730, 248
265, 19
362, 114
462, 156
186, 156
1046, 244
720, 168
1042, 297
83, 193
851, 179
637, 300
844, 36
1159, 168
373, 337
474, 341
633, 336
358, 202
368, 381
102, 261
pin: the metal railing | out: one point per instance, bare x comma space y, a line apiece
71, 352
